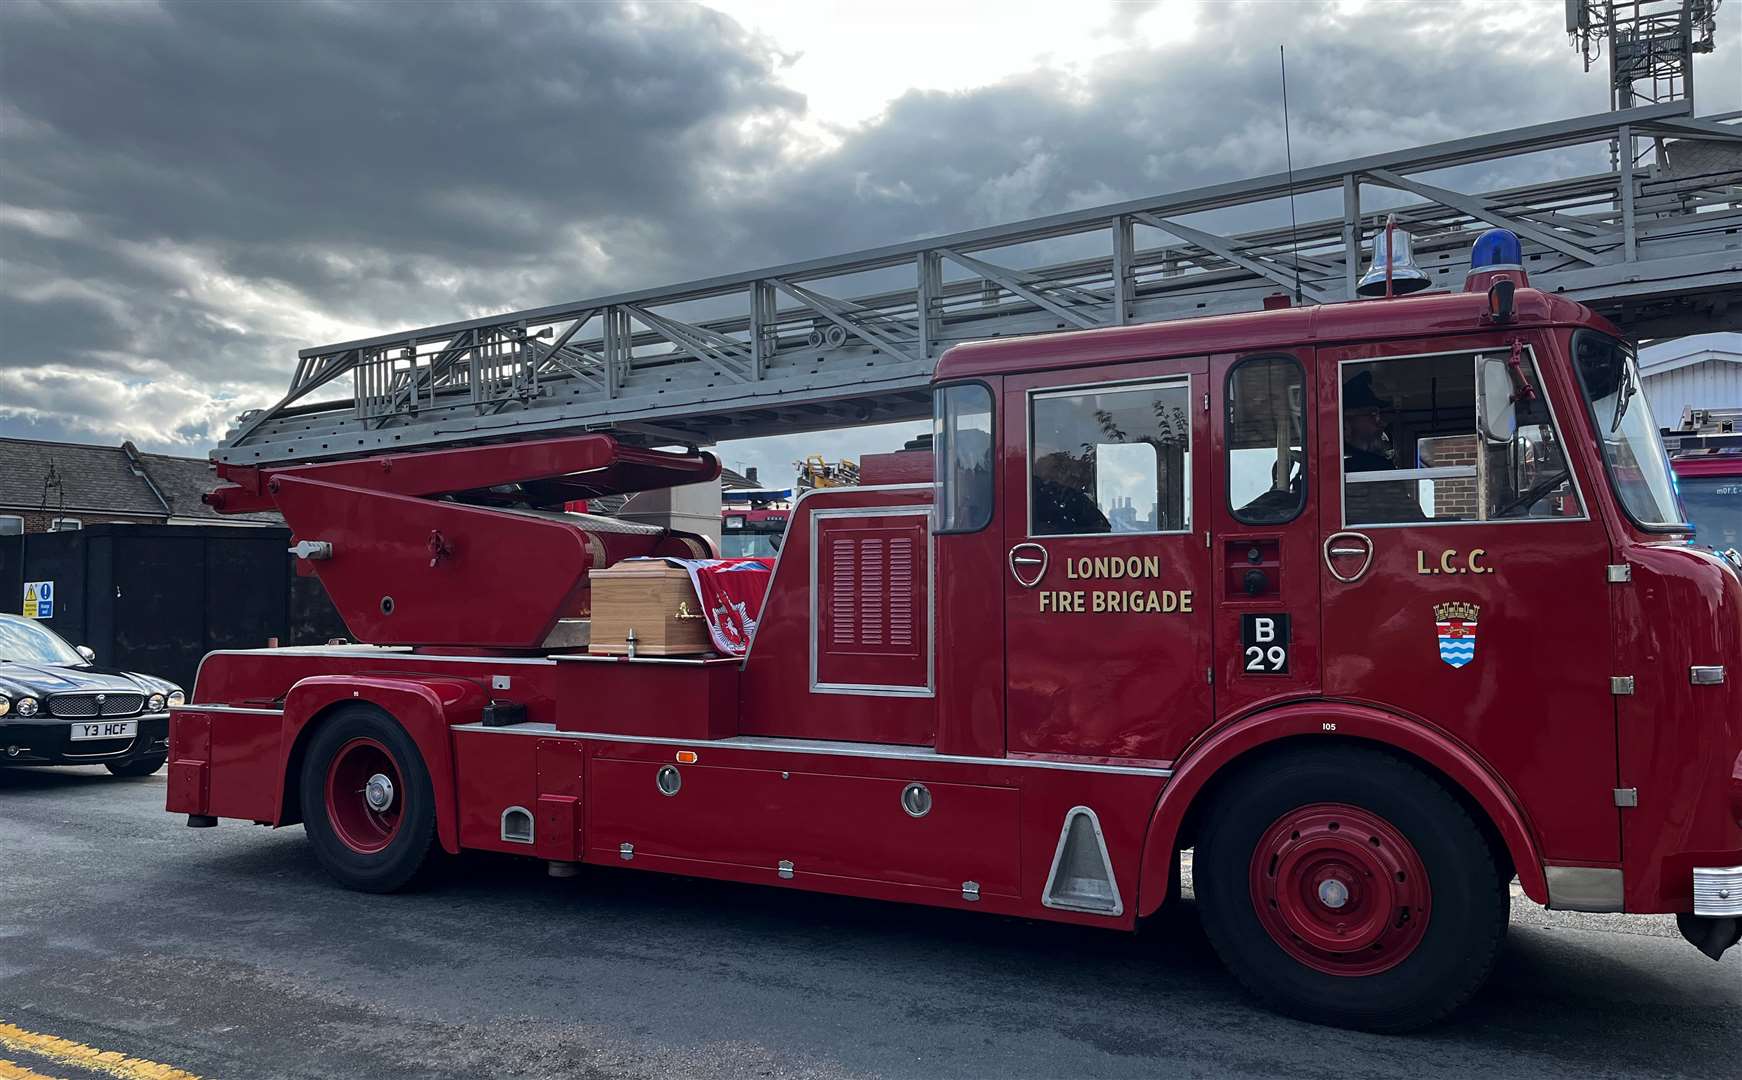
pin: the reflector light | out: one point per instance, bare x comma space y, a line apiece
686, 757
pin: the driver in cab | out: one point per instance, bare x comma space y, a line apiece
1367, 448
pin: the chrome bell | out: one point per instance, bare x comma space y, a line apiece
1406, 277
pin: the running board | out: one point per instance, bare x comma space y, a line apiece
1081, 878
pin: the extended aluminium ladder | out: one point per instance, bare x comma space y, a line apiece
1658, 248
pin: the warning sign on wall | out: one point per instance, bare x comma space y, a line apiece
39, 599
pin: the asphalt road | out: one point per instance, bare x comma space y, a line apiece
227, 953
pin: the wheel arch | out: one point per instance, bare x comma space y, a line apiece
1218, 760
424, 708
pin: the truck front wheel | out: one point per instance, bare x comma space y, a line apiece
1347, 887
367, 802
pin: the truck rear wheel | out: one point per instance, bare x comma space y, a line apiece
367, 802
1347, 887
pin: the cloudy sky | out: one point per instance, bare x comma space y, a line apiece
191, 192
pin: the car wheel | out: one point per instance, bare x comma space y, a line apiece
367, 802
1345, 886
135, 767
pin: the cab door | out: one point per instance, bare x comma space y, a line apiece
1266, 530
1463, 580
1107, 565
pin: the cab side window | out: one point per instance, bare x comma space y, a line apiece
1266, 440
1415, 453
962, 456
1110, 460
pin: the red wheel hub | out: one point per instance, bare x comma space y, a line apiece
365, 796
1340, 889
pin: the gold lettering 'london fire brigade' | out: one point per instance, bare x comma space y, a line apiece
1115, 601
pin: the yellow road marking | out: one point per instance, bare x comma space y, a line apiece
11, 1070
66, 1052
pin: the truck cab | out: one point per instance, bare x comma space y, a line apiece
1471, 529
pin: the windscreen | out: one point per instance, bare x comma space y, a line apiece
1632, 451
24, 642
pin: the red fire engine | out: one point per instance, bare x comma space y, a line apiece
1372, 606
1706, 454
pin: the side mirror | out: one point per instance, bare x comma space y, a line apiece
88, 653
1496, 413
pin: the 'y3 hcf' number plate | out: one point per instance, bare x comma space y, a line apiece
105, 729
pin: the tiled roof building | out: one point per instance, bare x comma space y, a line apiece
48, 485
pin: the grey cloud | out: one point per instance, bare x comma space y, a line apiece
190, 192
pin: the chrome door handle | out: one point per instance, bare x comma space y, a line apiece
1353, 545
1028, 564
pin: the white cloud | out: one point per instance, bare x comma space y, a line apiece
164, 412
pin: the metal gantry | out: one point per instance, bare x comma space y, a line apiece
1656, 247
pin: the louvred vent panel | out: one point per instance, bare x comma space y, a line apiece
872, 605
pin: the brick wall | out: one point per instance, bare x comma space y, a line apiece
1453, 499
37, 521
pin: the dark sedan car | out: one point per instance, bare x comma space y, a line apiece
58, 708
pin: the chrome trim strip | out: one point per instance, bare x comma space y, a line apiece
1584, 888
41, 721
1717, 891
1393, 476
817, 746
931, 588
241, 709
616, 658
101, 754
399, 652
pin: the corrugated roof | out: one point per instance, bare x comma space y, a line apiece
1662, 357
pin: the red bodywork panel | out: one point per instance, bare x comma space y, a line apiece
559, 470
899, 467
406, 565
1712, 465
889, 655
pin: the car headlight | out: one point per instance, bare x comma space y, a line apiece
154, 703
5, 704
27, 706
177, 699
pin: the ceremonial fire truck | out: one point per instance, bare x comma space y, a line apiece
1373, 607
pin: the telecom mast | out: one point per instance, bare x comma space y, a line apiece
1651, 45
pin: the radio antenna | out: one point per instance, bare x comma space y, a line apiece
1288, 149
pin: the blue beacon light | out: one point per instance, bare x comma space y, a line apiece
1496, 255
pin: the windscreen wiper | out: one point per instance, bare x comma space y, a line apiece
1623, 397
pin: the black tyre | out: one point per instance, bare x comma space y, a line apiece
136, 767
367, 802
1345, 886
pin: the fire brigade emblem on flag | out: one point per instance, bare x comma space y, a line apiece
1455, 623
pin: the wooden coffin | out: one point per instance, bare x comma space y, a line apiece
654, 601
